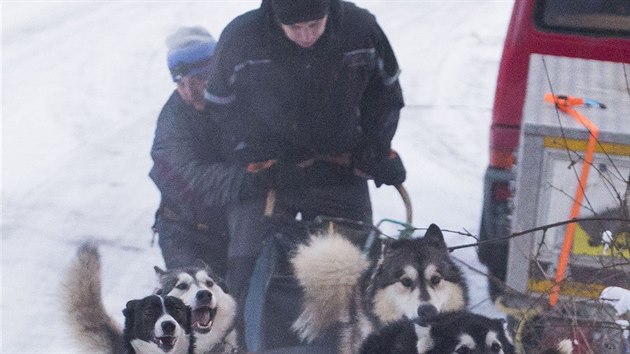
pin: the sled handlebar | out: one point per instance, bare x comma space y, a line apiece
271, 202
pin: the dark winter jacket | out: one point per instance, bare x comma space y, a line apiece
188, 170
278, 100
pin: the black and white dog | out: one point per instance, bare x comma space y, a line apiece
460, 332
153, 325
213, 309
342, 287
157, 324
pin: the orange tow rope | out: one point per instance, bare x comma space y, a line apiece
565, 104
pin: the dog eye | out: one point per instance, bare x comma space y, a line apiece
436, 279
496, 347
406, 282
182, 286
463, 350
210, 283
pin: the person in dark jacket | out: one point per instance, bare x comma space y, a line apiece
196, 183
303, 83
193, 179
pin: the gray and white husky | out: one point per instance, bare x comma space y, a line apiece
153, 325
213, 309
344, 288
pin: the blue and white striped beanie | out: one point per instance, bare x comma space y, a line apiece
189, 51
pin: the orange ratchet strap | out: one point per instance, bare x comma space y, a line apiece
565, 104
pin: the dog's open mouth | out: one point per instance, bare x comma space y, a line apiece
165, 343
202, 318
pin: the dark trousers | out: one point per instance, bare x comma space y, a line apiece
248, 231
182, 245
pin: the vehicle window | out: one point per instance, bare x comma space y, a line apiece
591, 17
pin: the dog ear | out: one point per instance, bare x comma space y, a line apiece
128, 312
201, 264
161, 273
386, 245
130, 307
222, 285
435, 237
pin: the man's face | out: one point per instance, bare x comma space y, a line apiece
305, 34
191, 88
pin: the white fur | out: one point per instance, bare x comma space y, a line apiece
467, 341
328, 268
565, 347
506, 332
492, 337
224, 303
140, 346
425, 341
186, 295
396, 300
446, 296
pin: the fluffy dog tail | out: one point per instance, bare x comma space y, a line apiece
95, 330
328, 268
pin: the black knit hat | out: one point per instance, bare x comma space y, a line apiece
294, 11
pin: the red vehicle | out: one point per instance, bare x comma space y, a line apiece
596, 30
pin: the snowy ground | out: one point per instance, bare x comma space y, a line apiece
83, 82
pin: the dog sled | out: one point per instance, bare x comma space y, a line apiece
273, 286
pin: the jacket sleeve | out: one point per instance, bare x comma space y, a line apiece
187, 166
382, 100
221, 98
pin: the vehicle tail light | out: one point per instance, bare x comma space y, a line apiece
501, 192
501, 159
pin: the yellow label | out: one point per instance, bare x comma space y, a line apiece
567, 288
580, 145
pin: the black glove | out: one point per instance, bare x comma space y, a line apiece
388, 169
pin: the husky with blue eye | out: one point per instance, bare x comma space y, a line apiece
342, 287
153, 325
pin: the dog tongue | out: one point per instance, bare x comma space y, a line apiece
201, 316
167, 342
